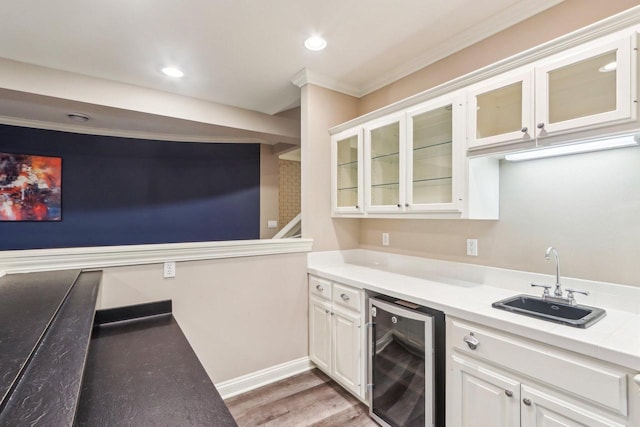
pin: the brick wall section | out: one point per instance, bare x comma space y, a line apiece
289, 191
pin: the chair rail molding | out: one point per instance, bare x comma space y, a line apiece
23, 261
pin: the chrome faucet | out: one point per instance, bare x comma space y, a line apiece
551, 250
557, 293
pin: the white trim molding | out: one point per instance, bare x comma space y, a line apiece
251, 381
474, 34
306, 76
24, 261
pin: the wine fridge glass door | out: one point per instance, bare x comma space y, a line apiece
401, 366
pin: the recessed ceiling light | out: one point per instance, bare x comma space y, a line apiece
608, 67
78, 117
315, 43
173, 72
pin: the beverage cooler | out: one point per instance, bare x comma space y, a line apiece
406, 364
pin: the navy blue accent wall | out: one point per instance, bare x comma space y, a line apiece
120, 191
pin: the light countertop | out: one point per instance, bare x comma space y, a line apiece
467, 291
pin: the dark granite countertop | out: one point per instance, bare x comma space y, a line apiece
47, 392
62, 363
28, 304
144, 372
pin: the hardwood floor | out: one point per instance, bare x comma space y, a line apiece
307, 399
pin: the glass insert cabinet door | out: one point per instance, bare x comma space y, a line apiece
347, 172
500, 110
384, 141
434, 153
589, 88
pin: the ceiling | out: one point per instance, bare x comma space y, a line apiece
245, 53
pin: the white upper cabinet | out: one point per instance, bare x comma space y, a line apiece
384, 143
414, 165
414, 160
589, 88
580, 89
435, 155
346, 173
501, 110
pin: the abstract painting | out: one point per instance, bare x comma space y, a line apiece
30, 188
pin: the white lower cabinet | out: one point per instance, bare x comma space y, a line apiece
500, 380
336, 333
347, 349
320, 333
482, 397
550, 410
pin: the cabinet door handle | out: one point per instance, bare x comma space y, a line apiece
345, 297
471, 341
319, 288
524, 129
509, 393
526, 401
540, 125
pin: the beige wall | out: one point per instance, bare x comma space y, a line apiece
568, 16
240, 315
321, 110
584, 205
269, 189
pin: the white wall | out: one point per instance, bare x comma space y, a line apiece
240, 315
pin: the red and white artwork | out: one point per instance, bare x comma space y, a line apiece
30, 188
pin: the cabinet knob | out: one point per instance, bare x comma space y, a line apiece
399, 205
540, 125
394, 319
326, 311
319, 288
509, 393
357, 207
471, 341
526, 401
345, 297
524, 129
406, 205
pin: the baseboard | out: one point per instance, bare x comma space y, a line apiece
263, 377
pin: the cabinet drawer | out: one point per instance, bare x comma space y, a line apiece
319, 287
346, 296
582, 376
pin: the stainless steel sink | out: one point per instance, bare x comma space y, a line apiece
579, 316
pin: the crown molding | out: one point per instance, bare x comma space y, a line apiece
626, 20
39, 124
474, 34
24, 261
306, 76
501, 21
505, 19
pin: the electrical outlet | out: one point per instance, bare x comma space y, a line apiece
272, 223
169, 269
385, 239
472, 247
